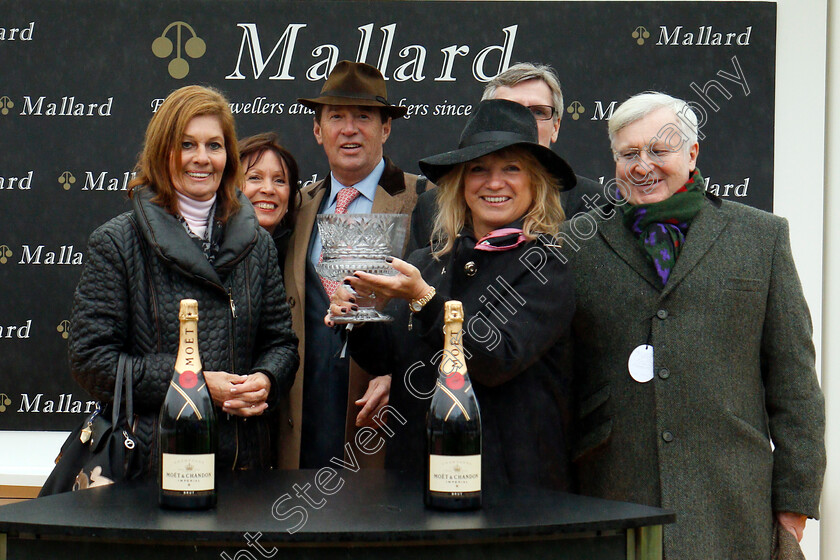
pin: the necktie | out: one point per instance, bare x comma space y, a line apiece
342, 201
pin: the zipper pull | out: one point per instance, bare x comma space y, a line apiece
87, 431
129, 443
232, 304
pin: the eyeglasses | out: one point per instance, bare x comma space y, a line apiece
542, 112
655, 153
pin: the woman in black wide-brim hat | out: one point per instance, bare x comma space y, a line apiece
498, 215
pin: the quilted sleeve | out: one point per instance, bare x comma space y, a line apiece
100, 323
275, 351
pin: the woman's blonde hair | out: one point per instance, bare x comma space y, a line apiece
544, 216
163, 143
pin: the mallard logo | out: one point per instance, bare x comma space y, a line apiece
4, 401
5, 105
640, 34
64, 328
194, 47
575, 109
5, 254
66, 179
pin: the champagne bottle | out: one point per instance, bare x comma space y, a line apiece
187, 426
453, 426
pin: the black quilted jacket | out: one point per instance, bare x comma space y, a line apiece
139, 266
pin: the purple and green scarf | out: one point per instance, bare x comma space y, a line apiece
661, 227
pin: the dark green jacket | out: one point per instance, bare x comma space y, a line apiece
734, 372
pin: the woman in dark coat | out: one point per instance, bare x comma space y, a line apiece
271, 184
497, 212
191, 234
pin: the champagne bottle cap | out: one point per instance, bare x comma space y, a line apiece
189, 310
453, 310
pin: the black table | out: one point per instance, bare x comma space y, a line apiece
327, 514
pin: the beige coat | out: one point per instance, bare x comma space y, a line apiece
396, 194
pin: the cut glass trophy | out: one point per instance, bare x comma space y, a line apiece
354, 242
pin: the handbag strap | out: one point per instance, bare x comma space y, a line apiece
129, 389
141, 241
123, 378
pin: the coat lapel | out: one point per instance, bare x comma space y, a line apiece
299, 242
706, 227
625, 246
388, 199
384, 203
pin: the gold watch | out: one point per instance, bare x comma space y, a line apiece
417, 304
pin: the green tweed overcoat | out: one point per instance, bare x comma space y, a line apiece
731, 427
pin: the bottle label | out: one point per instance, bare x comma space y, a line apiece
455, 473
194, 473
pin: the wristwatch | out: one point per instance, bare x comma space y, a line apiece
417, 304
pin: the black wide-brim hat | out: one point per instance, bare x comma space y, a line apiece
355, 83
499, 124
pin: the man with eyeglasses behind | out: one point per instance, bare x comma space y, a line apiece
537, 87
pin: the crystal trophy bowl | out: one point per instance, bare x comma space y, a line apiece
352, 242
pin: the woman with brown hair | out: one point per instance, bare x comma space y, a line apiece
271, 184
190, 234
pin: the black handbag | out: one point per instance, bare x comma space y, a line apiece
102, 450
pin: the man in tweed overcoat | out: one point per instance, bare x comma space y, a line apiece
719, 415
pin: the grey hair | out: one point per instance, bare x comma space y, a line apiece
642, 104
522, 72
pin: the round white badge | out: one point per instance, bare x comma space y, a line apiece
640, 363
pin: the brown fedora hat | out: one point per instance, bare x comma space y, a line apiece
355, 83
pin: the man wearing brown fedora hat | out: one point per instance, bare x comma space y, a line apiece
352, 122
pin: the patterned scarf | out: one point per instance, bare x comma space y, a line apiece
212, 235
661, 227
503, 239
